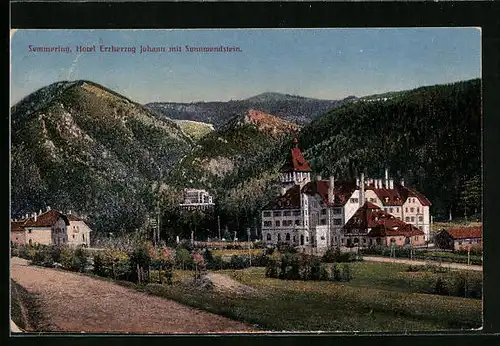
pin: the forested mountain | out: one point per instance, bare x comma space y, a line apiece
296, 109
430, 136
79, 146
222, 152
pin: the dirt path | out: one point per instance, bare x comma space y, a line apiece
76, 303
416, 262
225, 283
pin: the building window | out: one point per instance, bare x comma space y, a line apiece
83, 236
337, 211
267, 213
297, 222
393, 240
73, 236
307, 239
418, 210
413, 219
277, 223
372, 200
412, 210
391, 210
337, 222
287, 213
267, 223
397, 210
398, 217
294, 239
364, 240
322, 221
287, 237
322, 238
323, 211
277, 213
407, 219
296, 213
354, 200
279, 236
268, 237
406, 209
29, 231
420, 218
356, 240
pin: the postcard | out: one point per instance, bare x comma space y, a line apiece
210, 181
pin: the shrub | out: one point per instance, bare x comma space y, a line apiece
141, 257
114, 264
336, 274
239, 262
74, 259
346, 272
333, 255
22, 252
440, 286
183, 258
42, 256
272, 268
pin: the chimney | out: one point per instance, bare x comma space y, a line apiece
402, 182
381, 184
34, 215
318, 177
386, 178
69, 212
357, 182
391, 184
362, 191
331, 186
27, 215
282, 193
40, 212
48, 208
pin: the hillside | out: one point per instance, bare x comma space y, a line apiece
194, 129
221, 153
79, 146
431, 136
295, 109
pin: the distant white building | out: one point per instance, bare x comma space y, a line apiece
196, 199
314, 213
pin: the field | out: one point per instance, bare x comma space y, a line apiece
381, 297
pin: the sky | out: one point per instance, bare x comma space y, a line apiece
319, 63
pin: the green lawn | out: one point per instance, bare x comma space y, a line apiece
379, 298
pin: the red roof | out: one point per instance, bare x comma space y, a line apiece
72, 217
47, 219
380, 223
398, 195
296, 162
342, 190
465, 232
17, 226
290, 200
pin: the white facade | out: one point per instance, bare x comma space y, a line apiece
196, 199
78, 233
317, 224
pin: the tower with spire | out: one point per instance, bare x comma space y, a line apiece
296, 170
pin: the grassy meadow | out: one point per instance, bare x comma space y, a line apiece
381, 297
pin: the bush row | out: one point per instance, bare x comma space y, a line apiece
297, 266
